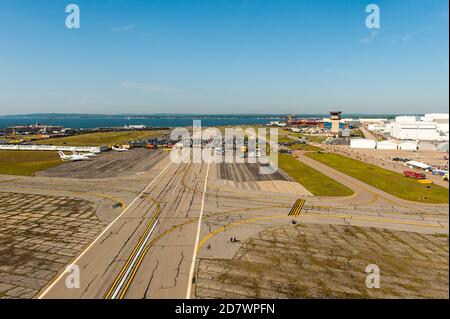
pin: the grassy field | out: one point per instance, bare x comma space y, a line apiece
304, 147
314, 181
23, 137
27, 162
386, 180
315, 138
284, 139
101, 138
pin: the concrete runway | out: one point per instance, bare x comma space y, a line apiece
148, 248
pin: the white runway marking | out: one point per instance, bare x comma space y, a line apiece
136, 257
194, 256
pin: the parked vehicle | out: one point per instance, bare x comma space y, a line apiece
415, 175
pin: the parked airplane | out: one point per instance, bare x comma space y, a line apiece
85, 154
72, 158
119, 149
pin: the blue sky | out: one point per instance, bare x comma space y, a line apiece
223, 56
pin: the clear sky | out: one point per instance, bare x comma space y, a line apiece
223, 56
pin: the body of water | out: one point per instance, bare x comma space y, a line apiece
95, 121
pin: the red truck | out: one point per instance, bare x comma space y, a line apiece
414, 175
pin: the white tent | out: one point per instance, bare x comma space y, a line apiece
387, 145
414, 164
408, 146
426, 146
362, 143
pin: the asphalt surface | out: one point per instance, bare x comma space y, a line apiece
150, 245
109, 164
111, 264
247, 172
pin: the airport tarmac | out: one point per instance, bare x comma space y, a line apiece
310, 260
161, 220
106, 165
248, 172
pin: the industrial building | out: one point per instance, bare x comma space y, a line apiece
334, 125
430, 127
441, 120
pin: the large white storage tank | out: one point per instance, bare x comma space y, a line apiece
387, 145
362, 143
408, 146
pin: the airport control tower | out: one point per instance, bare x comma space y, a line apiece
335, 118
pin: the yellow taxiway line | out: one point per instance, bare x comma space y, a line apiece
132, 255
150, 226
372, 219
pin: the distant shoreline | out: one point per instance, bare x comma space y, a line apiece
92, 121
196, 115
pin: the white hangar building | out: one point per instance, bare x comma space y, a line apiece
387, 145
431, 127
362, 143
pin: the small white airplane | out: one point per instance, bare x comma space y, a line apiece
119, 149
72, 158
85, 154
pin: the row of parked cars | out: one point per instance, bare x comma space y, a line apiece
152, 143
399, 159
